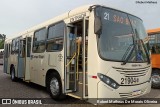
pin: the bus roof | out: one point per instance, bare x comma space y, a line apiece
62, 17
153, 31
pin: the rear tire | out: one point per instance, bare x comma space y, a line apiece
54, 86
13, 78
155, 78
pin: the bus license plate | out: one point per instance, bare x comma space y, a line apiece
137, 92
129, 81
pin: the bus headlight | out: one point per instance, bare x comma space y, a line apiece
108, 81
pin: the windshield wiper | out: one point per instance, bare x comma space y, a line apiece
127, 54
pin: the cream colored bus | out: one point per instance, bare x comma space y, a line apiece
89, 52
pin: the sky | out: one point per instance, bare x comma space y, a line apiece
19, 15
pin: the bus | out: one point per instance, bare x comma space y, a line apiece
154, 45
90, 52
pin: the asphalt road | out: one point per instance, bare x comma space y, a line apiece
20, 89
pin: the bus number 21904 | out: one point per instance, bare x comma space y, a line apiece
129, 81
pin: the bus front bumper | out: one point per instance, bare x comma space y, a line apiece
126, 92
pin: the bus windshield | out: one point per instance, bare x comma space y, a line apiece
121, 36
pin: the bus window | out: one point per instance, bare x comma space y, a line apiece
39, 41
22, 48
155, 49
154, 43
55, 37
9, 49
13, 46
17, 45
28, 46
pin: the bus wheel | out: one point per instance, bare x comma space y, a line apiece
54, 86
155, 78
13, 78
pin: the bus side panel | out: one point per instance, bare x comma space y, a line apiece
155, 61
92, 60
33, 75
55, 60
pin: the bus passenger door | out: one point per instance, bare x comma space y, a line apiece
27, 60
5, 64
76, 59
70, 59
21, 58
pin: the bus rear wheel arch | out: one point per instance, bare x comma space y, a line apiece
54, 85
155, 78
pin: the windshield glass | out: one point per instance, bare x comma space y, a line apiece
120, 33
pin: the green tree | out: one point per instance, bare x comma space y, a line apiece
2, 40
1, 44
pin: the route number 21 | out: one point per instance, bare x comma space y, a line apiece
106, 16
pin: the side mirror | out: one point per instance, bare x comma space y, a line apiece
97, 26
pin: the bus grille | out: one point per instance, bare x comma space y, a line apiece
138, 72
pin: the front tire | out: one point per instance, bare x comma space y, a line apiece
155, 78
54, 86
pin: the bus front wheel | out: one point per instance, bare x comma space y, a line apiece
54, 86
155, 78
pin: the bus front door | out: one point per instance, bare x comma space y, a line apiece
70, 55
75, 59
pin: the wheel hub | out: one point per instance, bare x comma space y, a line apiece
54, 86
156, 79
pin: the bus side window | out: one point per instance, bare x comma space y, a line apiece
153, 50
157, 49
39, 41
9, 50
13, 46
22, 48
17, 45
28, 46
55, 37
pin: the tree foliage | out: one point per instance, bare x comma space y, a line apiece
1, 44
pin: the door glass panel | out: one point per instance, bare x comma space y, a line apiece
28, 46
